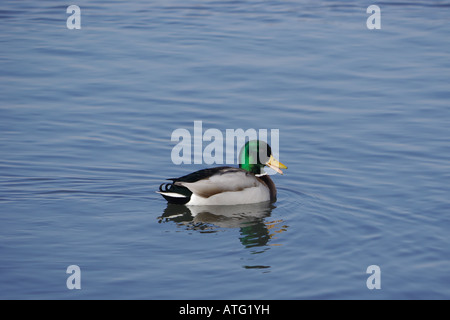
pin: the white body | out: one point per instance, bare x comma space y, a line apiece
256, 194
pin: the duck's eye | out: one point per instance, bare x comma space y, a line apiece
264, 153
269, 151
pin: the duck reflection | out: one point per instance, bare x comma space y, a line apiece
256, 229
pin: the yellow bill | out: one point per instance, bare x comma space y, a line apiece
275, 165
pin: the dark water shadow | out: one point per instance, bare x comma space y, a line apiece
256, 229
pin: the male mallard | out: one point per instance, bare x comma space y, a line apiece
228, 185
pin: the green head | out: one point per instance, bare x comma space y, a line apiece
255, 155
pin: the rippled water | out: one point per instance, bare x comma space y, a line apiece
85, 140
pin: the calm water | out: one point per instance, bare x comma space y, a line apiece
85, 140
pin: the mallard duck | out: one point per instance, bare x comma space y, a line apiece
228, 185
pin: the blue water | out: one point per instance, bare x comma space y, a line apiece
85, 140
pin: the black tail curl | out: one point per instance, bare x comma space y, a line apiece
168, 187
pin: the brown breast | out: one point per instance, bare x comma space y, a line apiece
269, 183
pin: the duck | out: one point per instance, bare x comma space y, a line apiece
227, 185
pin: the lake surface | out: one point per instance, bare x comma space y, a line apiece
86, 118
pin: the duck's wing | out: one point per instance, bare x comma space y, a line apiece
176, 192
208, 182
